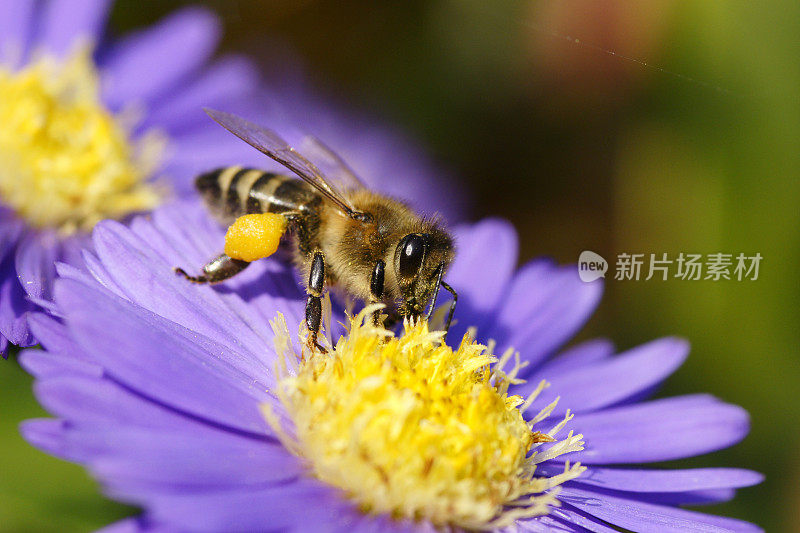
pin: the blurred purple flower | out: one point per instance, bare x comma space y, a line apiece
164, 75
157, 388
162, 72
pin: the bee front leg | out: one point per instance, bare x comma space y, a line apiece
316, 280
451, 290
218, 269
452, 310
376, 287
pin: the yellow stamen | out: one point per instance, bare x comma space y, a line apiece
65, 161
408, 427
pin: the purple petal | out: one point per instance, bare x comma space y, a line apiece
192, 238
10, 230
303, 505
35, 264
226, 80
163, 461
95, 401
13, 306
544, 306
16, 28
482, 276
99, 272
199, 150
135, 525
99, 411
136, 461
586, 353
148, 64
186, 232
67, 23
549, 524
161, 360
691, 479
128, 525
642, 516
138, 524
42, 365
384, 524
566, 517
696, 497
148, 280
591, 387
46, 434
71, 250
66, 271
136, 445
478, 277
660, 430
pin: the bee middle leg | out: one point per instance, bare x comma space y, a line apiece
376, 288
316, 281
218, 269
452, 310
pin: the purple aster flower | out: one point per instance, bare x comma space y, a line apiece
175, 399
94, 129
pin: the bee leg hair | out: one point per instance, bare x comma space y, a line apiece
218, 269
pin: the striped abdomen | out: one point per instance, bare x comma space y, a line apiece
234, 191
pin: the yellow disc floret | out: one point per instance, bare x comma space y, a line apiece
411, 428
65, 161
254, 236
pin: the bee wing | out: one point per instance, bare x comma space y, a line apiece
336, 168
272, 145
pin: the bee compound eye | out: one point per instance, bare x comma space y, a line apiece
412, 252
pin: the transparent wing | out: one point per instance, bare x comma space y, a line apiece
272, 145
336, 169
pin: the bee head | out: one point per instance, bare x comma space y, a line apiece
419, 259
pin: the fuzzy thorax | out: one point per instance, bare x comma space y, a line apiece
66, 162
408, 427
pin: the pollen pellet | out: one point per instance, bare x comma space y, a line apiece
253, 237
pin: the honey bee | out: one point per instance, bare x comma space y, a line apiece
364, 244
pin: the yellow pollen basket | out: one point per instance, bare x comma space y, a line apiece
254, 236
65, 161
411, 428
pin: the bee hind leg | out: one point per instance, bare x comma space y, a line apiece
316, 280
218, 269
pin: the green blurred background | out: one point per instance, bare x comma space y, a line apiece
670, 127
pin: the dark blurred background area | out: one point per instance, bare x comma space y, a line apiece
613, 126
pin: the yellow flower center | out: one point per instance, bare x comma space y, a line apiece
65, 161
408, 427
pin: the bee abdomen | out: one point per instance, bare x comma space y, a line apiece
220, 189
276, 193
235, 191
